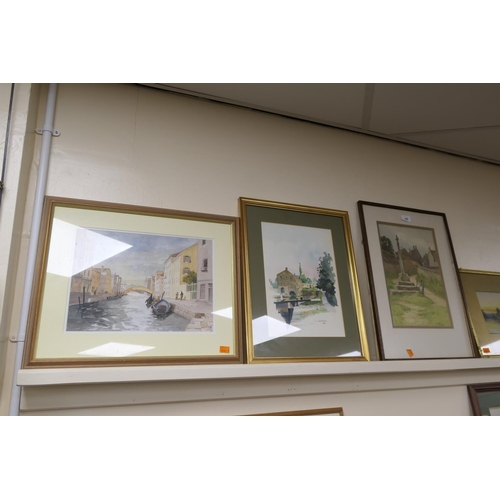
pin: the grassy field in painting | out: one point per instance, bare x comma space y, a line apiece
414, 309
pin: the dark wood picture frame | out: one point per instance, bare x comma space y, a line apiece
397, 337
481, 396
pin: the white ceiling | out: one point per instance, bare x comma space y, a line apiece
462, 119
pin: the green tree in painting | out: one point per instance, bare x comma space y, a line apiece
326, 278
191, 278
386, 245
303, 277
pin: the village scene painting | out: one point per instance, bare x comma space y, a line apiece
302, 290
415, 285
490, 307
154, 283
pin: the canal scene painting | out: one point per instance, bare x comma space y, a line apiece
414, 279
302, 291
150, 283
490, 307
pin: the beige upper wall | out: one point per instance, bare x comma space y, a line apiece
137, 145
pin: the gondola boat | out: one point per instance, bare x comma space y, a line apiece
149, 301
162, 308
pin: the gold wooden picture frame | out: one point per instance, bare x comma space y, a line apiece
127, 285
482, 296
302, 301
324, 412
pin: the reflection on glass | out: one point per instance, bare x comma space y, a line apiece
492, 347
266, 328
225, 313
74, 249
116, 350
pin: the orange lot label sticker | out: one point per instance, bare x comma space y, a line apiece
224, 348
486, 350
410, 353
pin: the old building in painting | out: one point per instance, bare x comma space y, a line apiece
415, 255
81, 281
176, 268
171, 272
102, 281
117, 284
289, 284
158, 282
431, 259
205, 271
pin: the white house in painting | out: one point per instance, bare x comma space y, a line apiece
205, 271
176, 268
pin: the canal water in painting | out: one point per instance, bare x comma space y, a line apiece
127, 313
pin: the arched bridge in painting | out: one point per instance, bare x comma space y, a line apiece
138, 289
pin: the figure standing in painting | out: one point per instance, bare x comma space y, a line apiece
182, 295
176, 295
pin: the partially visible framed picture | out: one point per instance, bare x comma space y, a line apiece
302, 298
482, 296
485, 399
324, 412
126, 285
417, 298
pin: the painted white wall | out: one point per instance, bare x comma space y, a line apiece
142, 146
15, 206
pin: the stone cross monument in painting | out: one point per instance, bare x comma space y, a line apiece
405, 285
402, 275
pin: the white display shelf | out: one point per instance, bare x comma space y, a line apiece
100, 375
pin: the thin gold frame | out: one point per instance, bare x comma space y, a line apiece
487, 281
352, 273
50, 203
298, 413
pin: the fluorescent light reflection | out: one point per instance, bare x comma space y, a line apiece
354, 353
74, 249
225, 313
494, 348
116, 350
266, 328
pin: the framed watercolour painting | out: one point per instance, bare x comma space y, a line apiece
485, 399
416, 293
126, 285
301, 290
482, 296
